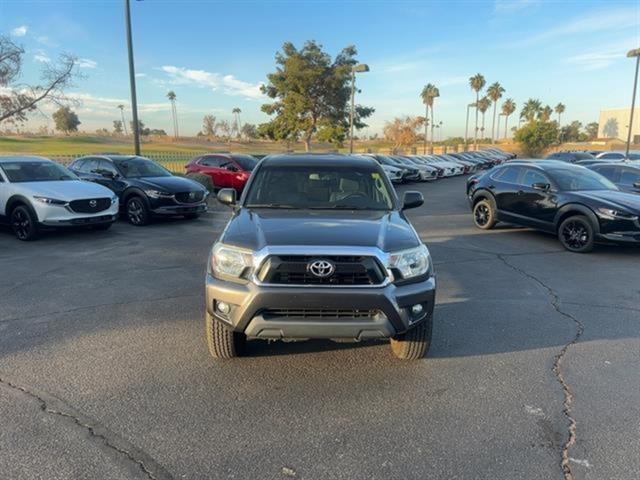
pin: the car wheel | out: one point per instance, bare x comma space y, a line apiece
414, 344
221, 340
192, 216
576, 234
137, 211
24, 223
484, 214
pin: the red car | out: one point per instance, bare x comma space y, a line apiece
226, 170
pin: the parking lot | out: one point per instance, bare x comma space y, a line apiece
104, 371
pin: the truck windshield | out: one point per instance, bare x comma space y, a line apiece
313, 187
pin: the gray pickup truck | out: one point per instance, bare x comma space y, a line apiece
319, 247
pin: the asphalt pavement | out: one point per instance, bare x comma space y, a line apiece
104, 372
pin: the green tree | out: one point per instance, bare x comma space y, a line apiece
209, 126
429, 93
559, 109
531, 109
311, 94
66, 120
592, 130
225, 130
536, 136
142, 129
124, 123
117, 127
483, 105
494, 92
477, 83
249, 130
544, 115
508, 108
572, 132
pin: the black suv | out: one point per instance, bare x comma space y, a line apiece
579, 205
145, 189
319, 247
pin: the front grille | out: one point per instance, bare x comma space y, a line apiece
90, 205
190, 197
349, 270
316, 313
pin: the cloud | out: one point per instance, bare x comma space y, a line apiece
44, 40
611, 20
20, 31
595, 60
141, 75
87, 63
229, 84
41, 56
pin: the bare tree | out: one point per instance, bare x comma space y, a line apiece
19, 99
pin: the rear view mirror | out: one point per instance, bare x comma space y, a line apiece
541, 186
412, 199
227, 196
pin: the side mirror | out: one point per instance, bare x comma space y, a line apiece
227, 196
108, 174
637, 184
232, 168
412, 199
541, 186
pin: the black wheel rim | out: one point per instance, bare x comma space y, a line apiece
575, 235
135, 211
21, 224
482, 214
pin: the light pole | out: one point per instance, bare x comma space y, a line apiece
132, 80
361, 67
630, 54
466, 127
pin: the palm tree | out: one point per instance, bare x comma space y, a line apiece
124, 124
559, 110
171, 95
429, 93
531, 109
494, 92
236, 111
483, 105
508, 107
544, 115
477, 83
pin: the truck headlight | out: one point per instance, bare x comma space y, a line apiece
412, 262
50, 201
230, 261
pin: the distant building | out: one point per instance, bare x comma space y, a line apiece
614, 123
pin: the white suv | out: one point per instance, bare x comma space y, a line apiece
36, 193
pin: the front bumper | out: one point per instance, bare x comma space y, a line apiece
60, 216
619, 237
391, 303
79, 221
182, 209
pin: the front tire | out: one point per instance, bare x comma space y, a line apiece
576, 234
221, 340
24, 224
414, 344
137, 211
484, 214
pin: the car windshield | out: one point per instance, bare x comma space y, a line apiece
247, 162
140, 167
574, 180
317, 187
36, 171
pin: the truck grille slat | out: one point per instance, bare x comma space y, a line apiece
318, 313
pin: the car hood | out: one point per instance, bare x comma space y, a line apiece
66, 190
256, 229
614, 199
172, 184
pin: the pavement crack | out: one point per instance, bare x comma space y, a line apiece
146, 464
567, 404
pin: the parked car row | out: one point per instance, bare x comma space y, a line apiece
37, 193
424, 168
588, 157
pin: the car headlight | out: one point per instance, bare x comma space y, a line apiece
229, 261
617, 214
158, 194
50, 201
114, 200
412, 262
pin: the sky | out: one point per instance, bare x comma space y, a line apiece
216, 54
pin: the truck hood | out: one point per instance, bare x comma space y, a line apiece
256, 229
66, 190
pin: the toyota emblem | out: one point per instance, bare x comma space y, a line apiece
93, 203
321, 268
